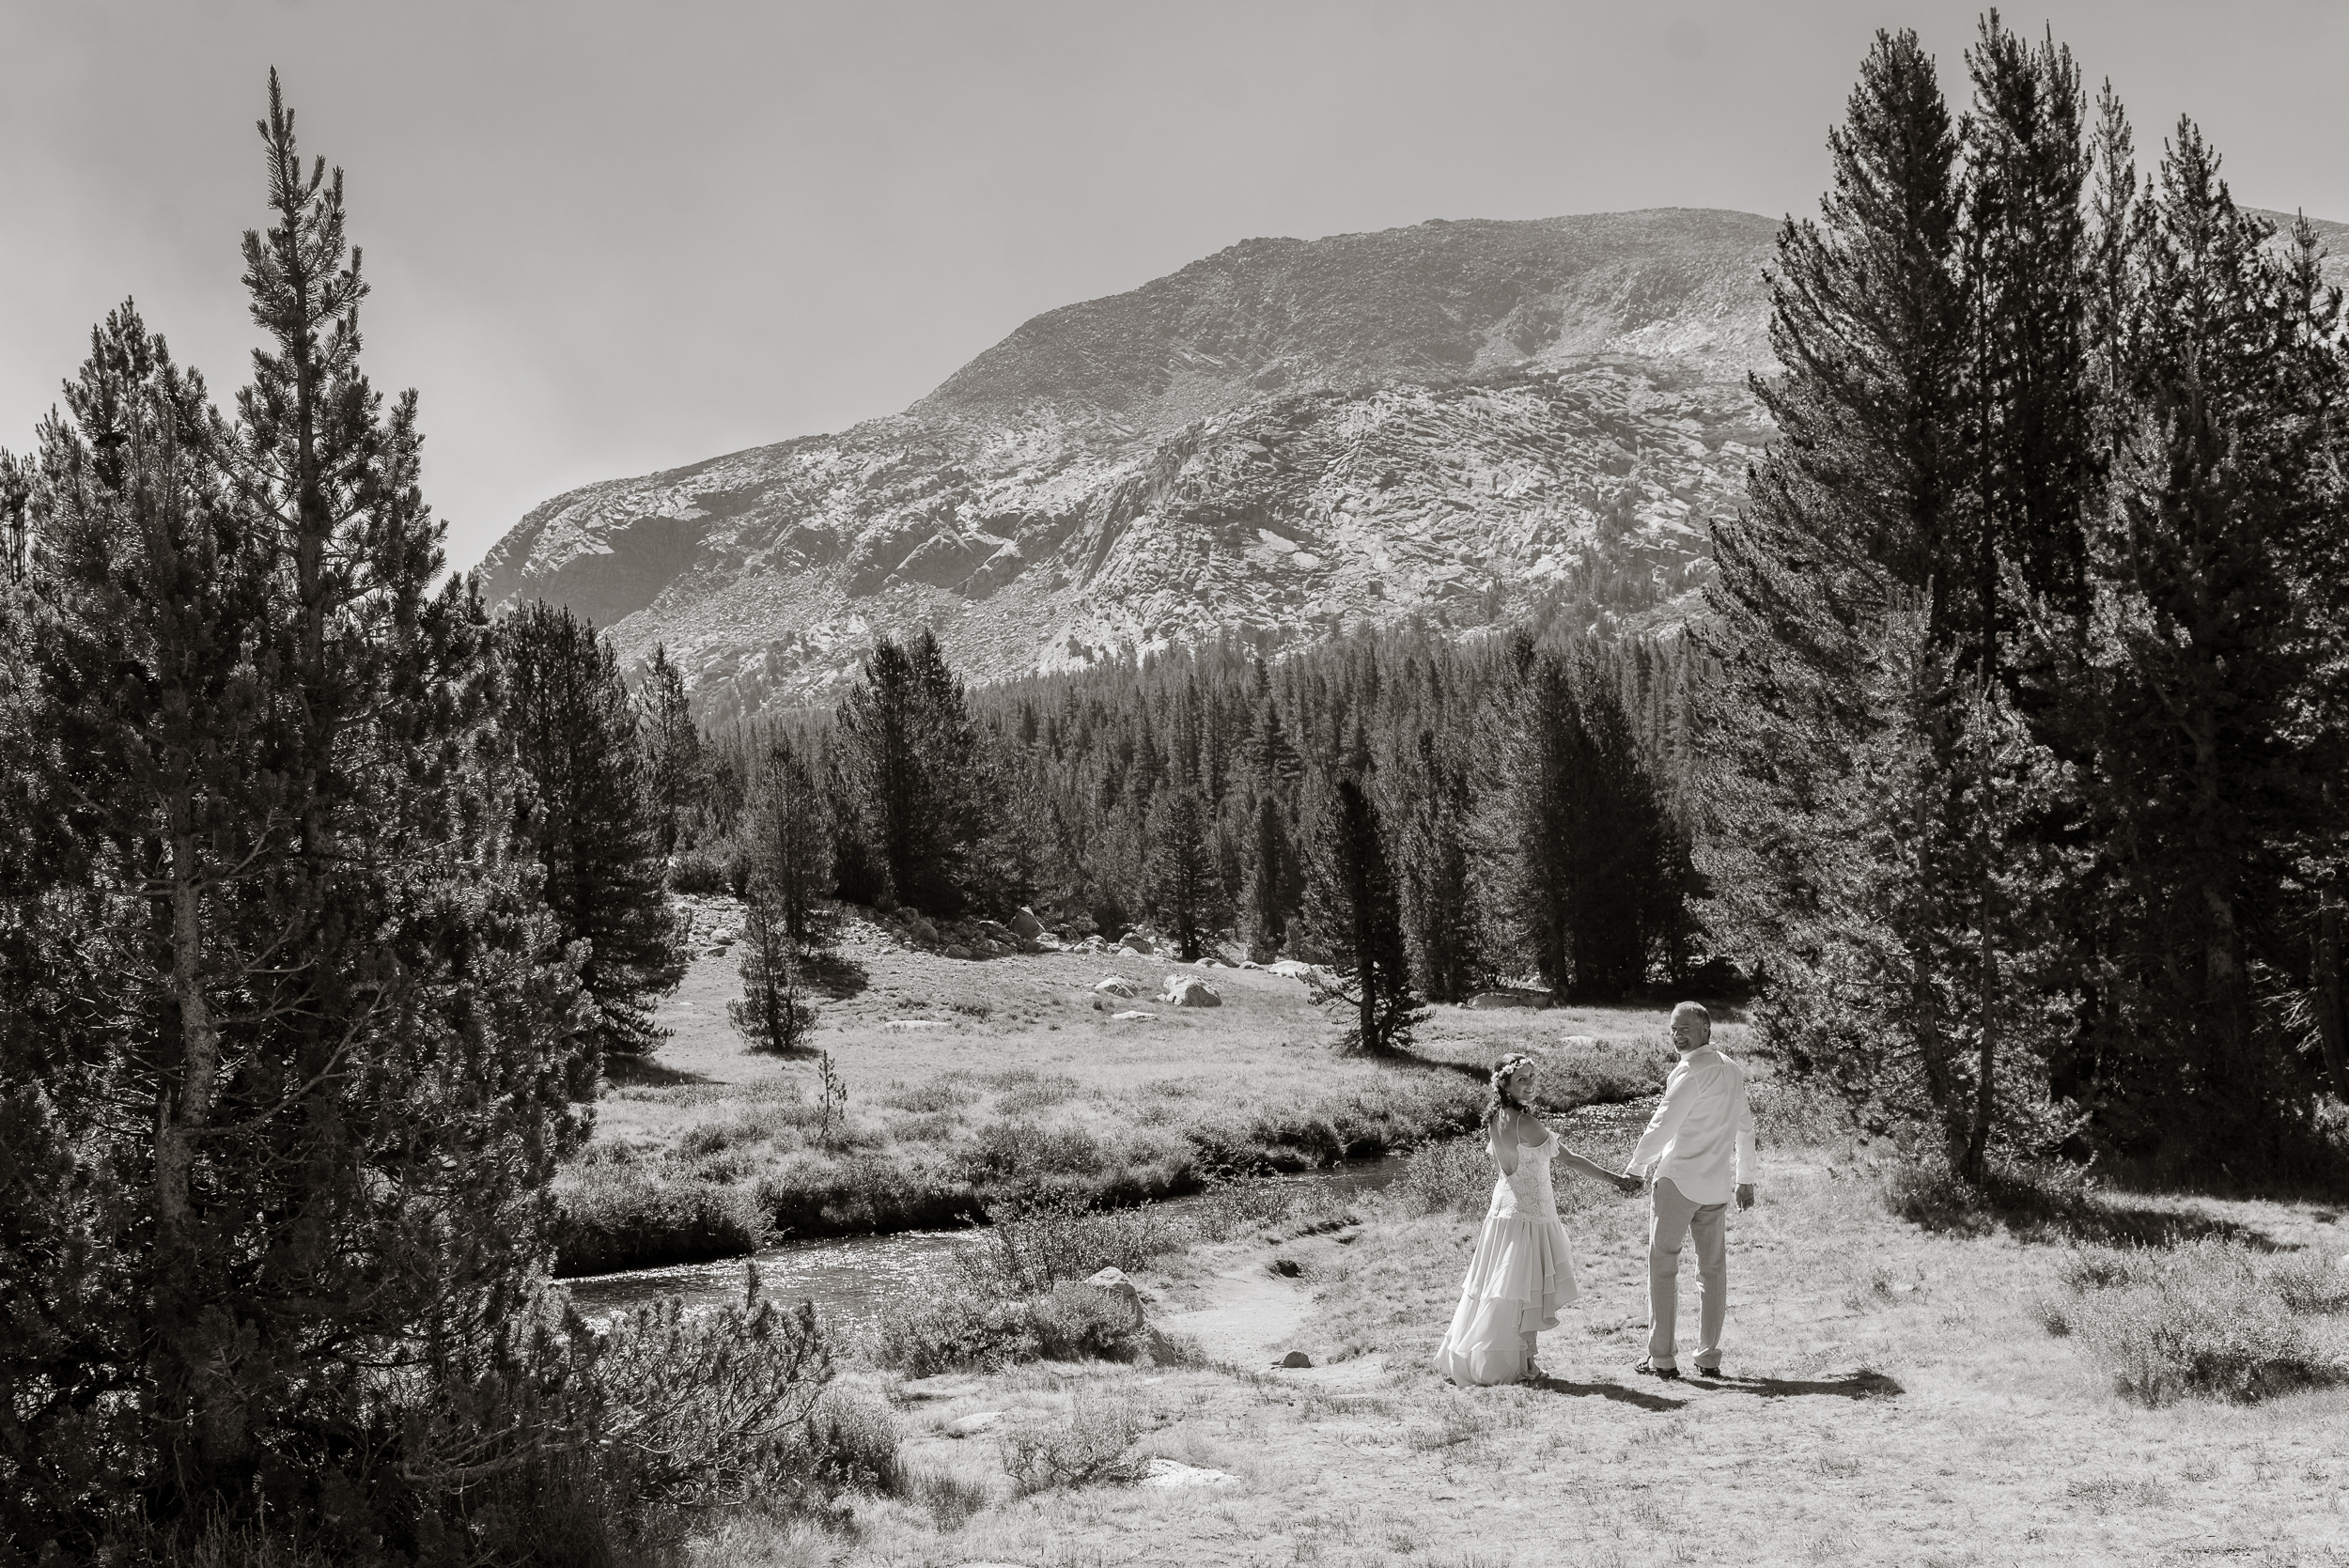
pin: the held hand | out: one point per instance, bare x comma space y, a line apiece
1629, 1183
1745, 1195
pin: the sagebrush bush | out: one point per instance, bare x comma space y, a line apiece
1094, 1443
1455, 1176
954, 1332
1081, 1323
2206, 1319
1032, 1247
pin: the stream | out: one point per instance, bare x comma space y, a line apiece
851, 1279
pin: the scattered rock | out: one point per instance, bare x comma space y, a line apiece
1188, 990
1135, 1014
1249, 964
722, 936
973, 1423
1510, 999
922, 931
914, 1023
1026, 924
1212, 962
1295, 968
958, 951
1287, 1269
1114, 984
1173, 1472
1134, 941
1297, 1358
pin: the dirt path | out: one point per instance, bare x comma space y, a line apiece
1249, 1317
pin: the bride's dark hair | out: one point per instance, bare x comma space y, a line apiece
1501, 1093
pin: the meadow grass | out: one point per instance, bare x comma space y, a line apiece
979, 1086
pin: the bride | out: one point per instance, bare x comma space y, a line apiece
1522, 1272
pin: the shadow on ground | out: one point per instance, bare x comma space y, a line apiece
836, 976
638, 1072
1851, 1385
1638, 1398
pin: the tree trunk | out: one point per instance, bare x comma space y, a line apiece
2329, 1021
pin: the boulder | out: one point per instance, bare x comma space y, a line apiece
1173, 1472
1114, 984
922, 931
1509, 999
1112, 1282
1249, 964
1134, 941
1295, 968
1297, 1358
1026, 924
1188, 990
973, 1423
957, 951
1136, 1013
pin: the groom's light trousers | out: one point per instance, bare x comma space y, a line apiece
1672, 1218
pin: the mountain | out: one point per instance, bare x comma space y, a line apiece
1446, 420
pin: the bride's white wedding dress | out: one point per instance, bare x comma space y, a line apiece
1521, 1275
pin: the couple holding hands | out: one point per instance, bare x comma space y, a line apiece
1699, 1147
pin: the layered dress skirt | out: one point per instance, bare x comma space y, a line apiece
1521, 1275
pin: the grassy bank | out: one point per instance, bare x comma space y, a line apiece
976, 1085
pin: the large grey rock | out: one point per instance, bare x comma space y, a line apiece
1024, 924
973, 1423
1134, 941
1113, 1283
1188, 990
1116, 986
957, 951
1294, 968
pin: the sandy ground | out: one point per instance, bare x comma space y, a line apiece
1892, 1401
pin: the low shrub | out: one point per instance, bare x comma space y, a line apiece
1605, 1071
610, 1217
955, 1331
2207, 1318
1081, 1323
1095, 1443
1455, 1176
706, 869
1032, 1247
811, 1192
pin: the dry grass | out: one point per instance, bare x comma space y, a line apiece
1896, 1401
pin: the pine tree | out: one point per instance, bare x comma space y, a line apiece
2222, 561
910, 752
327, 982
1185, 891
1272, 890
1438, 882
671, 747
1353, 906
791, 842
770, 1015
575, 736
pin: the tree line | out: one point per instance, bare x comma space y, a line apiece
2021, 782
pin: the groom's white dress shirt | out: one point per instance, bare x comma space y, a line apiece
1702, 1137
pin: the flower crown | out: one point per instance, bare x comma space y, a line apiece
1509, 1066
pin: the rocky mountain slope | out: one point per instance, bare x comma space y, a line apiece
1444, 420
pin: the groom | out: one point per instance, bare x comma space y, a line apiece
1702, 1125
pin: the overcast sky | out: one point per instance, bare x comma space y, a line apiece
611, 238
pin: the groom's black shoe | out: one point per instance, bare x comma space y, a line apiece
1714, 1372
1649, 1369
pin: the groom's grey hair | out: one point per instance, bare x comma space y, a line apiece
1694, 1010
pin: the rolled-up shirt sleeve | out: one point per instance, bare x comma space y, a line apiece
1749, 1165
1679, 1094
